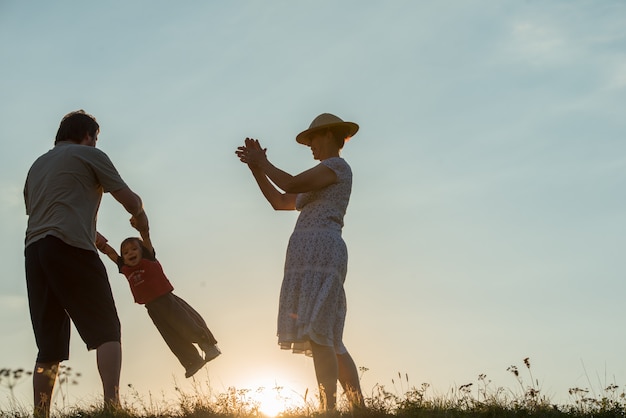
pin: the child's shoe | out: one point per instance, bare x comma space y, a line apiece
191, 370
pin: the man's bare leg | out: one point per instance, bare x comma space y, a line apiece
109, 359
44, 377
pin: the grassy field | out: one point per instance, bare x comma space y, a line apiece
472, 400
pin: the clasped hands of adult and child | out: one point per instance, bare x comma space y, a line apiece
139, 222
251, 152
101, 241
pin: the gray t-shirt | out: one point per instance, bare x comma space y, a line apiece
63, 191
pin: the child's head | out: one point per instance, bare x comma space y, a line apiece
133, 251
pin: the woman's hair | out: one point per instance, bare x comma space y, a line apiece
75, 125
145, 253
339, 135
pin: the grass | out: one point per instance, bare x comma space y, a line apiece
472, 400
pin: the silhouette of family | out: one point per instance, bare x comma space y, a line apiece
68, 283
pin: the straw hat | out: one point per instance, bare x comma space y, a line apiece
326, 120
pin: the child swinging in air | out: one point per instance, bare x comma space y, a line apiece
179, 324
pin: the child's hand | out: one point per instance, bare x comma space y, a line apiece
101, 241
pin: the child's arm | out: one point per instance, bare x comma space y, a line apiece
147, 242
103, 246
145, 236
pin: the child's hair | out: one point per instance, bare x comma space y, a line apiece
145, 253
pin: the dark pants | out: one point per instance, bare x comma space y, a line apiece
66, 282
180, 326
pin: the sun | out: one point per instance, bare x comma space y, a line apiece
271, 406
273, 401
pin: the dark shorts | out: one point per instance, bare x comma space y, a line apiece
68, 282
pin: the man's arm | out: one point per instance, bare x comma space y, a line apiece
133, 205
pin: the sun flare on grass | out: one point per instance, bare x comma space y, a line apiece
274, 401
271, 407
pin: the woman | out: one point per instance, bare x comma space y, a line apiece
312, 306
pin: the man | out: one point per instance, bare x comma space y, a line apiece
66, 280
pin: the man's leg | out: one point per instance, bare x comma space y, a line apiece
51, 324
44, 377
325, 363
109, 359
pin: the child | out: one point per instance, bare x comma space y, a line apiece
179, 324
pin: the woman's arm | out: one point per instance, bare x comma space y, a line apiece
276, 198
314, 178
270, 178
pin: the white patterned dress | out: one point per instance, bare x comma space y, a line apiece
312, 303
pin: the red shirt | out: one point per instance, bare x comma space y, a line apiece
147, 280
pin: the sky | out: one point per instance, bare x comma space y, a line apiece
486, 223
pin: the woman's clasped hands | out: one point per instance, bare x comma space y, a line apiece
251, 153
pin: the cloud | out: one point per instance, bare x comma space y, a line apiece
537, 45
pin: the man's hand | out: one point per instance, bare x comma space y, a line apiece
140, 222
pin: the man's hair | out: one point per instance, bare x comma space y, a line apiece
75, 125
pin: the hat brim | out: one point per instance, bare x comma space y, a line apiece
304, 137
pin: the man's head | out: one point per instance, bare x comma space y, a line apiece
75, 126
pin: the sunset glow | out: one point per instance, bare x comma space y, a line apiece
274, 401
486, 221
